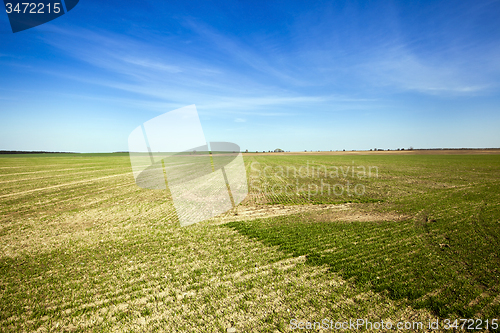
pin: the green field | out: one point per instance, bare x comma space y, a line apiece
407, 238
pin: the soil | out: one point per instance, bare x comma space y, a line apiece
330, 212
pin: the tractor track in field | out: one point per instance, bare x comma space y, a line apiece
54, 176
42, 171
63, 185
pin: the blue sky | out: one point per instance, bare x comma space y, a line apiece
263, 74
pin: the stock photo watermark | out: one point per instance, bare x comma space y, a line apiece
24, 15
387, 325
205, 179
313, 178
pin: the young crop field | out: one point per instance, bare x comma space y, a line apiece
400, 238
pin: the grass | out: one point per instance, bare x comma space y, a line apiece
85, 249
444, 258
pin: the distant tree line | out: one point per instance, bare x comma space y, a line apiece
33, 152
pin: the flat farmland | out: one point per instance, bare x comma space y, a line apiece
395, 237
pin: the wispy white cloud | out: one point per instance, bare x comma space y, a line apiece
400, 69
264, 60
171, 78
152, 65
238, 77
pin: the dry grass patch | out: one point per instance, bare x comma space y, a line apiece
248, 212
359, 216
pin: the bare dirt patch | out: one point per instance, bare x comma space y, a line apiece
247, 213
325, 213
